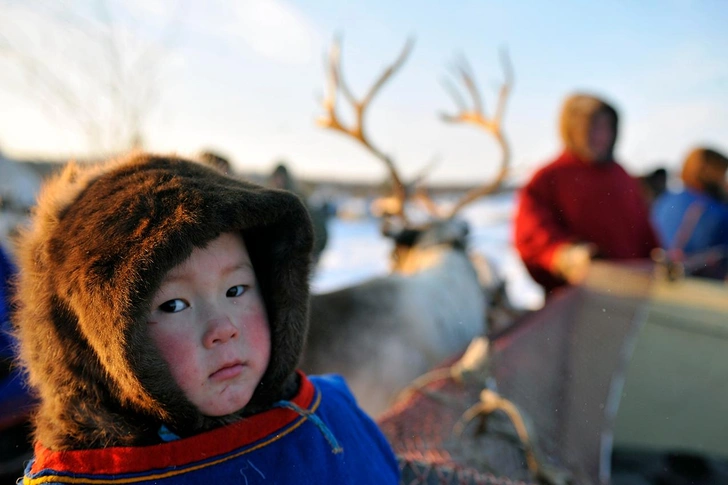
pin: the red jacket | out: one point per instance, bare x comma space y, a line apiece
571, 201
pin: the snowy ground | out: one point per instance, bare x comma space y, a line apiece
356, 251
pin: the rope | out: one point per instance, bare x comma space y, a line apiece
335, 446
490, 402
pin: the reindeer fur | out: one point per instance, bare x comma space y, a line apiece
383, 333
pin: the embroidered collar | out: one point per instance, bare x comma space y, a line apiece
215, 444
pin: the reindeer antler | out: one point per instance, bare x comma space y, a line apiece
476, 116
356, 131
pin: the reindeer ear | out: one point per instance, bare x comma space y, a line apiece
399, 232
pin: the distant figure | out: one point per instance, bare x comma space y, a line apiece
694, 221
281, 178
215, 160
582, 204
19, 184
654, 184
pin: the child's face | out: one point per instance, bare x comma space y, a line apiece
209, 323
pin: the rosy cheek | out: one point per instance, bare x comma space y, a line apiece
177, 352
258, 332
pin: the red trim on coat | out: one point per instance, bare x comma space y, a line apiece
125, 460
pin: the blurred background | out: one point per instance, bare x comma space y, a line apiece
80, 78
89, 79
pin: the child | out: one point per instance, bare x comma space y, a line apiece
162, 313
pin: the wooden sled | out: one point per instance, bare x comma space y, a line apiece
586, 374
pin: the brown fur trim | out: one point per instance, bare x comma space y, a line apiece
101, 241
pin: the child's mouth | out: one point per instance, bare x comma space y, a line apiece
228, 371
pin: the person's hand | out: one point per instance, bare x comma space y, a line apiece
571, 261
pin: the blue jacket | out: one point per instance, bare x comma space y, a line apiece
320, 437
690, 222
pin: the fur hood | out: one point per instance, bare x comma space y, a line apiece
101, 241
576, 120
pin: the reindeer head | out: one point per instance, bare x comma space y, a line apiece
420, 247
415, 246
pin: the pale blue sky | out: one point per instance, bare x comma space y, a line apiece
243, 77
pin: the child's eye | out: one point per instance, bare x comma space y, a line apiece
235, 291
173, 306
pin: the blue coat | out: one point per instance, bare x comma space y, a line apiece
690, 222
319, 437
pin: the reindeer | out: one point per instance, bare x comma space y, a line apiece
383, 333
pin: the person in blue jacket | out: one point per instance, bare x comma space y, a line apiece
692, 224
162, 311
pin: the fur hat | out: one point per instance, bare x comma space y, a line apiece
576, 120
101, 242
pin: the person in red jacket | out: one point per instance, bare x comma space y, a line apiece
583, 204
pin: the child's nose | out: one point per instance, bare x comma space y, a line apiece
220, 330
